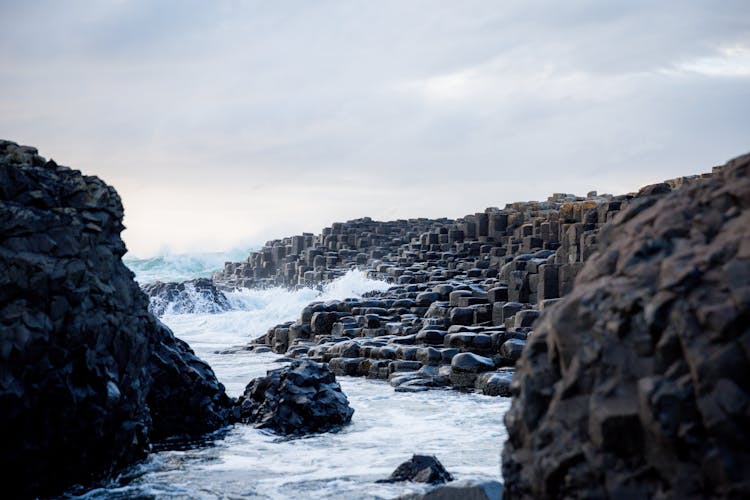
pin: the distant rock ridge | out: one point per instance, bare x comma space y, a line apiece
465, 293
88, 377
480, 242
637, 383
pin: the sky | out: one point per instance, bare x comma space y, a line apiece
224, 124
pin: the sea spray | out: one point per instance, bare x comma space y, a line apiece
181, 267
254, 311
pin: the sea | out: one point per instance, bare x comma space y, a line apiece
464, 431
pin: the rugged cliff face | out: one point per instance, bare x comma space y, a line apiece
636, 384
88, 377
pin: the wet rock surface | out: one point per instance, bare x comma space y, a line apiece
193, 296
461, 490
637, 383
298, 399
89, 377
420, 469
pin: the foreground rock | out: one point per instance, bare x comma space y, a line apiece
89, 377
461, 490
194, 296
298, 399
637, 384
420, 469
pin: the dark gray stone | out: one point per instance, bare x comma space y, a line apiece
637, 383
468, 489
89, 377
298, 399
420, 469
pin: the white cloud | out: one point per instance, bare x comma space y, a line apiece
731, 61
289, 115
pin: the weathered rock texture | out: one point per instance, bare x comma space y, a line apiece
193, 296
467, 489
637, 384
420, 469
301, 398
88, 377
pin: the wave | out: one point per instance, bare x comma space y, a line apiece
181, 267
253, 311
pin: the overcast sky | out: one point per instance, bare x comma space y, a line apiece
227, 123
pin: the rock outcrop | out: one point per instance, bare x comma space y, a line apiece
420, 469
467, 489
637, 383
88, 377
465, 292
193, 296
302, 398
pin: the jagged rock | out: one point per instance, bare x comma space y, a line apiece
185, 398
420, 469
637, 384
193, 296
89, 377
298, 399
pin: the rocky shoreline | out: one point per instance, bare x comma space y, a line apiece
618, 324
465, 294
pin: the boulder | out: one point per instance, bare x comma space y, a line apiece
467, 362
637, 384
461, 316
495, 383
420, 469
512, 349
298, 399
89, 377
321, 323
467, 489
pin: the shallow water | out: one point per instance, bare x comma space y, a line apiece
464, 431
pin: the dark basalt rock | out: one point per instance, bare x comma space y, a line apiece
193, 296
298, 399
420, 469
637, 384
185, 398
88, 377
467, 489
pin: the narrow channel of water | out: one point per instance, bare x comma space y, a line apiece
465, 431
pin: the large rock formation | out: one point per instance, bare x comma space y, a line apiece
637, 384
465, 292
88, 377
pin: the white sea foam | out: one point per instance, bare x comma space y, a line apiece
254, 311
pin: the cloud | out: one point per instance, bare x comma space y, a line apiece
341, 109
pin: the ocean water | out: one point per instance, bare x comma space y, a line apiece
465, 431
181, 266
